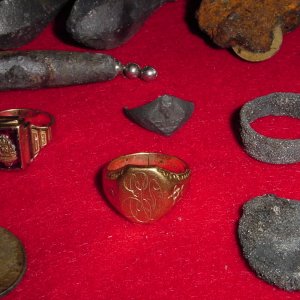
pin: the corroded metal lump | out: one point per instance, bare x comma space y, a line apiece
269, 233
164, 115
247, 23
39, 69
22, 21
106, 24
267, 149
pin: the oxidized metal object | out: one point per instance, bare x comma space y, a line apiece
253, 28
164, 115
269, 232
23, 133
270, 150
106, 24
12, 261
143, 187
40, 69
22, 21
261, 56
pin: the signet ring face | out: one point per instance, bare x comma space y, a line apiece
23, 133
143, 187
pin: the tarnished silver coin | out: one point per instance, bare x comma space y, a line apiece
12, 261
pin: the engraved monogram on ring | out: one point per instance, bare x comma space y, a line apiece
143, 187
145, 195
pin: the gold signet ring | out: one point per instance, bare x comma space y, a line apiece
23, 133
145, 186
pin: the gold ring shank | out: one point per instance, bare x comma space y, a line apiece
30, 115
145, 186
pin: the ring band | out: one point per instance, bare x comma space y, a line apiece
270, 150
23, 133
145, 186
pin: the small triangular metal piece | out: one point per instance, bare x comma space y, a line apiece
164, 115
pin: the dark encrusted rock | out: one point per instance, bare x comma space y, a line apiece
106, 24
269, 232
22, 21
164, 115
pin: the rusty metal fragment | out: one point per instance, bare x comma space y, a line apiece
39, 69
249, 24
261, 56
106, 24
22, 21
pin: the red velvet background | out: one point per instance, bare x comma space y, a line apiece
77, 247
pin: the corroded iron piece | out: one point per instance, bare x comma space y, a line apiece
269, 233
164, 115
263, 148
22, 21
261, 56
12, 261
106, 24
247, 23
39, 69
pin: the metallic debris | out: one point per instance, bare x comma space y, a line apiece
261, 56
248, 24
12, 261
263, 148
106, 24
269, 233
164, 115
39, 69
22, 21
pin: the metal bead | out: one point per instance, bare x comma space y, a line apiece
148, 73
132, 71
119, 67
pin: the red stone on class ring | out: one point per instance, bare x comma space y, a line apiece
143, 187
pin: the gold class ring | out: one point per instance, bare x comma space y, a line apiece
145, 186
23, 133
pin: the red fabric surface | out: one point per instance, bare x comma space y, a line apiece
77, 246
